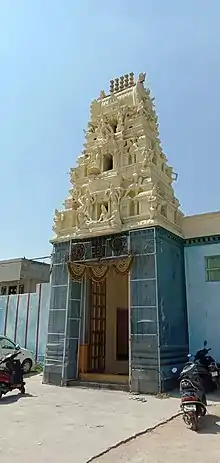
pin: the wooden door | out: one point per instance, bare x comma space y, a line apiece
97, 327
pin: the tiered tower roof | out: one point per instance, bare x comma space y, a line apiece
122, 180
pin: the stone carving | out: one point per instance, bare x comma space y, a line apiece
84, 211
58, 219
115, 196
104, 214
141, 110
80, 216
141, 78
122, 118
115, 218
88, 201
148, 155
120, 125
132, 150
102, 95
73, 175
139, 91
121, 161
105, 128
135, 187
93, 161
91, 127
131, 111
153, 203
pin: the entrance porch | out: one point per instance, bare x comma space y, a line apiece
104, 345
125, 322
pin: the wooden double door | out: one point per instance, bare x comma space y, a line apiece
97, 327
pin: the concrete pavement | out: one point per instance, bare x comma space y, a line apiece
173, 443
52, 424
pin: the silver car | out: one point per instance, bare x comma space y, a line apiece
26, 356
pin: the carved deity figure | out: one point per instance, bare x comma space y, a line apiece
58, 220
73, 175
98, 157
148, 154
80, 216
104, 214
115, 218
120, 125
58, 216
135, 187
115, 196
105, 128
94, 161
83, 212
139, 90
88, 201
154, 203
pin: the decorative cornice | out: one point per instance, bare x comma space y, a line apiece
200, 241
163, 232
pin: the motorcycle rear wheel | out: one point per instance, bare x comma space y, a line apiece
194, 422
22, 390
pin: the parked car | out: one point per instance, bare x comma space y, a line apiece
26, 357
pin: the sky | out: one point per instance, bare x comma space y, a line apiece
55, 58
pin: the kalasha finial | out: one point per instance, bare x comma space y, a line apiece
126, 81
112, 86
121, 82
117, 84
131, 79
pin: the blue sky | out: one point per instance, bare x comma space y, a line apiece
56, 56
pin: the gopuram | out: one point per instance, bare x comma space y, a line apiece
122, 179
118, 305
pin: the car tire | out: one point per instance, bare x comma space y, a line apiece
26, 366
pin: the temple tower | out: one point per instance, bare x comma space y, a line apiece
118, 282
122, 180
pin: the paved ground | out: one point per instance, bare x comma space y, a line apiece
52, 424
173, 443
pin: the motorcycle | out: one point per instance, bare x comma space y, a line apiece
208, 369
193, 398
11, 375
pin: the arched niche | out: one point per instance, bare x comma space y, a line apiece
107, 162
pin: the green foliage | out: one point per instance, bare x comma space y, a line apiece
38, 368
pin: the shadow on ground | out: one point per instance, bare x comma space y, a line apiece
12, 398
210, 424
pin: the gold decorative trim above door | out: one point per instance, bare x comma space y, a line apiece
97, 272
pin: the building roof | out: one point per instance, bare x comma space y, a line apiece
20, 260
207, 224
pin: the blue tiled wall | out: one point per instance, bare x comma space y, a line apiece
143, 305
64, 321
172, 309
203, 299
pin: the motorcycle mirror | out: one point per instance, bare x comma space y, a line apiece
205, 343
17, 347
174, 370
